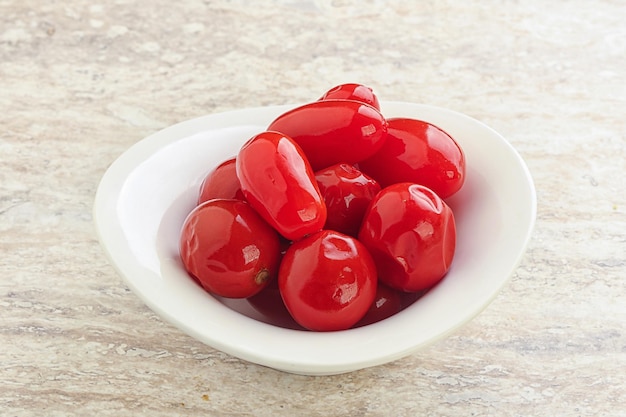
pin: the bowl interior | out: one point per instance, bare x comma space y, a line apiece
147, 192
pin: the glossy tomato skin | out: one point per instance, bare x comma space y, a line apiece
347, 192
334, 131
411, 234
419, 152
229, 249
280, 185
221, 182
352, 91
327, 281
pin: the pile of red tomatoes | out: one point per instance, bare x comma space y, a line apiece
334, 207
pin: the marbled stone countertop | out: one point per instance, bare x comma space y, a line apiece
80, 82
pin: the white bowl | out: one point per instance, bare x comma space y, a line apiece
146, 193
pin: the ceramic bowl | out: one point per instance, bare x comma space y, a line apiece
148, 191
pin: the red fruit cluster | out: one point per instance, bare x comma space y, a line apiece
341, 208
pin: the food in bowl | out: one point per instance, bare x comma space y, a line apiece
145, 195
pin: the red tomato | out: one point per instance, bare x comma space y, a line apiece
279, 184
357, 92
221, 182
229, 249
327, 281
418, 152
334, 131
347, 192
410, 233
386, 303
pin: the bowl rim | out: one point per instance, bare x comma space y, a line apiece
294, 351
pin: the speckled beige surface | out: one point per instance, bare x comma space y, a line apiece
80, 83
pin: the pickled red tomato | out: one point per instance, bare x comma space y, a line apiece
352, 91
221, 182
411, 234
229, 249
419, 152
347, 192
328, 281
280, 185
334, 131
